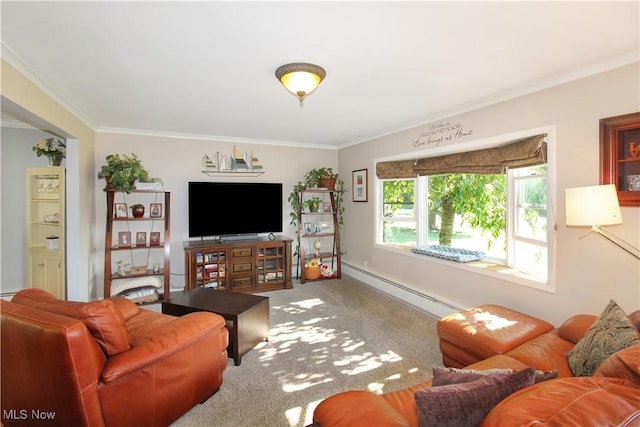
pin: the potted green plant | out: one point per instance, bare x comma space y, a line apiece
122, 171
312, 204
137, 210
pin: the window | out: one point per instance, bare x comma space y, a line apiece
399, 221
502, 214
527, 249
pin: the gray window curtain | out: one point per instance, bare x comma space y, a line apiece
523, 153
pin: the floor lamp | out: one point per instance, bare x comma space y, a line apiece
594, 207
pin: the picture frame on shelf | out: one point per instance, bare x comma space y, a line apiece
155, 210
121, 210
141, 238
326, 207
124, 239
154, 238
359, 185
308, 228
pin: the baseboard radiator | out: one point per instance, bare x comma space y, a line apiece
436, 307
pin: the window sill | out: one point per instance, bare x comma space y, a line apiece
484, 267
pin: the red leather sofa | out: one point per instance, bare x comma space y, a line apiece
491, 337
105, 363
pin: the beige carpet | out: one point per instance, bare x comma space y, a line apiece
325, 337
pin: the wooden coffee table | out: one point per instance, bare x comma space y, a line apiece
246, 315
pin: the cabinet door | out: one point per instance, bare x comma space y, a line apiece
44, 273
271, 264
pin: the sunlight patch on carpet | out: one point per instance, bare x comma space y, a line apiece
366, 362
309, 303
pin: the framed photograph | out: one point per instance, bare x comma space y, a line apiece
360, 191
141, 238
156, 210
154, 239
124, 239
121, 210
326, 207
308, 228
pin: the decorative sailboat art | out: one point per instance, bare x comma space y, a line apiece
255, 163
236, 163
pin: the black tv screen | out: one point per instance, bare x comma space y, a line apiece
234, 208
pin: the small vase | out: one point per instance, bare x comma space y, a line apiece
137, 212
55, 159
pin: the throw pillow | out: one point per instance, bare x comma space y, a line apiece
468, 404
611, 332
624, 364
445, 376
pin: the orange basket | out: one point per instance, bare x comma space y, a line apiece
311, 273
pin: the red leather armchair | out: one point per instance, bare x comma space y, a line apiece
105, 363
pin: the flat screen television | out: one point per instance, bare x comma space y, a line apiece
234, 209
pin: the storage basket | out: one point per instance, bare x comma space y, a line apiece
311, 273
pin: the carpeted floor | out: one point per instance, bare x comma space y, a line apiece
326, 337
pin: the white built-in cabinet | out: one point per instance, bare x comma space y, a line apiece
45, 221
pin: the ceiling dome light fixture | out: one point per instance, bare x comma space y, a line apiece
300, 78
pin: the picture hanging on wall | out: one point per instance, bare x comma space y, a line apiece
360, 191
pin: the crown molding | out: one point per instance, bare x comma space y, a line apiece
19, 64
213, 138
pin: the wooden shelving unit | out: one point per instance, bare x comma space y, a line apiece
138, 254
323, 227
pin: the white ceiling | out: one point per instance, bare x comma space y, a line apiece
207, 68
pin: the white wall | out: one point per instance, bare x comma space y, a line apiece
16, 156
178, 160
589, 271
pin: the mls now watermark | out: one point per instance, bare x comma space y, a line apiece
26, 414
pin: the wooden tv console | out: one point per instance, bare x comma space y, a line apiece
255, 265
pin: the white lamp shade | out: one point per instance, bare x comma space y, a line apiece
592, 206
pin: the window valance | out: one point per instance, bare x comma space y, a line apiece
524, 153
